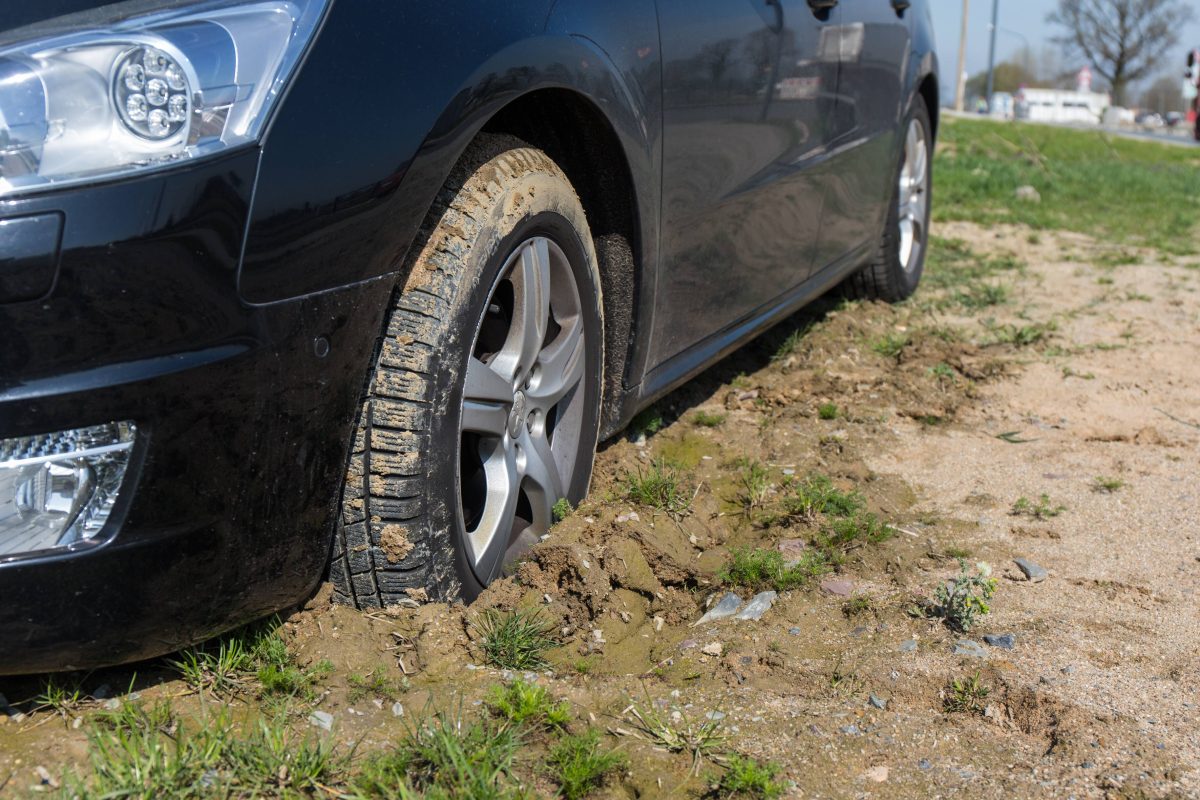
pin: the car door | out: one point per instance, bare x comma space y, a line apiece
748, 101
874, 42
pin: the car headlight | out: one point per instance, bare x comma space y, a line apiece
143, 91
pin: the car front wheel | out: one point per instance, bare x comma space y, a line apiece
483, 407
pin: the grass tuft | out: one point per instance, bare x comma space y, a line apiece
1041, 508
748, 778
521, 703
578, 764
708, 419
966, 695
660, 486
516, 640
761, 569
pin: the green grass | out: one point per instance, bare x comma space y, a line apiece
890, 345
139, 751
827, 411
647, 422
858, 605
1041, 508
1107, 485
578, 764
747, 778
1131, 192
707, 419
966, 695
678, 734
521, 703
375, 684
60, 697
515, 640
809, 499
754, 483
562, 509
445, 757
660, 486
760, 569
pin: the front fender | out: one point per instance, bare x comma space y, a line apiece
370, 131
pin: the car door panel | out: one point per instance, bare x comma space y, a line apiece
748, 103
874, 43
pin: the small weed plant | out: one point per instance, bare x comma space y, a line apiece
1106, 485
561, 509
747, 778
961, 601
1041, 508
827, 411
709, 419
680, 734
966, 695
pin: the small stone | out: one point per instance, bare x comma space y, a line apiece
625, 616
45, 777
908, 646
850, 730
377, 703
598, 636
1033, 573
759, 605
924, 764
789, 471
112, 704
715, 716
547, 599
1068, 669
835, 586
102, 692
1028, 194
1005, 641
397, 710
792, 551
1087, 765
727, 607
794, 631
688, 644
966, 647
877, 774
713, 649
858, 631
321, 719
878, 702
658, 624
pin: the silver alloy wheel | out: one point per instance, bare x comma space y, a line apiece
522, 409
914, 195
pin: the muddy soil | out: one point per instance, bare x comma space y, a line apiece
1080, 384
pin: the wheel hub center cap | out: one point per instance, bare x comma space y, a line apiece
516, 417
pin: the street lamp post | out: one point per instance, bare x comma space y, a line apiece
991, 81
960, 89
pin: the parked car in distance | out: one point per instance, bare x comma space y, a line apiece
351, 289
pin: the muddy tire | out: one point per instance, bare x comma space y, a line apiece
505, 291
896, 266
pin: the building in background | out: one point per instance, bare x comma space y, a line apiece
1061, 105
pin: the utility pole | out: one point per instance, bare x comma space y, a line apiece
960, 94
991, 82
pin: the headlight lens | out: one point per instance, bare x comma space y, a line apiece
57, 490
144, 91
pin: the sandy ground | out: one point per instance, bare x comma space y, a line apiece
1099, 696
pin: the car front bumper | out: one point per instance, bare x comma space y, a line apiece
244, 416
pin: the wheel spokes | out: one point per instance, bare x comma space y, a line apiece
500, 507
559, 366
543, 484
531, 311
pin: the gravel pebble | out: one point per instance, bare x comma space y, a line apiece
1033, 573
1005, 641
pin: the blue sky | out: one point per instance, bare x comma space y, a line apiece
1025, 17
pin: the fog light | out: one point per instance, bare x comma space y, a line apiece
58, 489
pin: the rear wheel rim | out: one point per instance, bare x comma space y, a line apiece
914, 195
522, 411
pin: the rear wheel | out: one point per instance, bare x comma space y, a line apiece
899, 259
483, 408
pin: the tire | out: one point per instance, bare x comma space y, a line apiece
894, 271
425, 486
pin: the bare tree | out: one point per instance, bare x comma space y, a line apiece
1123, 39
